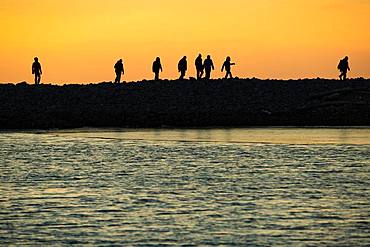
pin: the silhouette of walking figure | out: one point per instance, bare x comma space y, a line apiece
118, 68
199, 66
157, 66
343, 66
208, 66
227, 65
182, 67
36, 70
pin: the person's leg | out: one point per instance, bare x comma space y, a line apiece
38, 79
156, 77
208, 74
344, 75
119, 78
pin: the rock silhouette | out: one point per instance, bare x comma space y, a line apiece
232, 102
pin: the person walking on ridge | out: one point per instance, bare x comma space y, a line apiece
199, 66
118, 68
182, 67
227, 65
157, 67
343, 66
36, 70
208, 66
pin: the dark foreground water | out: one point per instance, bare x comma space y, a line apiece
255, 187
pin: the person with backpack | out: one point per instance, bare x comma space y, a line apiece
208, 66
118, 67
227, 65
156, 68
36, 70
199, 66
343, 66
182, 66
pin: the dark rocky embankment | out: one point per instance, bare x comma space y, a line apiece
237, 102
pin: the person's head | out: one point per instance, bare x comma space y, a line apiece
346, 58
120, 60
200, 55
184, 58
228, 58
157, 59
208, 56
36, 59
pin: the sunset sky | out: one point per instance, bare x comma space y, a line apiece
78, 41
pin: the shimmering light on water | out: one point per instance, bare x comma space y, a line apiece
150, 187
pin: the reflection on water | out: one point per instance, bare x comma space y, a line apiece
151, 187
266, 136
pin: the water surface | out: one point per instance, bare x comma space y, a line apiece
257, 187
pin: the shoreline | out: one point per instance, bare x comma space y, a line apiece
231, 103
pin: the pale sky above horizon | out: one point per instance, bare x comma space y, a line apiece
80, 40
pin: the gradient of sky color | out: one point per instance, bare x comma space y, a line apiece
80, 40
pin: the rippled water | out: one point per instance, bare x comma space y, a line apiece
257, 187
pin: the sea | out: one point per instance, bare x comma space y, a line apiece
187, 187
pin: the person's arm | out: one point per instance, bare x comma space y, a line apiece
222, 69
40, 70
160, 66
232, 64
213, 67
33, 69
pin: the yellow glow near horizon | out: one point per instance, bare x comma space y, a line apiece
80, 40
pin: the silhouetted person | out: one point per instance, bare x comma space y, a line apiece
208, 66
343, 66
227, 65
157, 67
182, 67
36, 70
199, 66
118, 68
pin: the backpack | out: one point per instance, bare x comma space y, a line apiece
340, 65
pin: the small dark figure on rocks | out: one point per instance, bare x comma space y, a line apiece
118, 68
227, 65
36, 70
208, 66
157, 67
182, 67
199, 66
343, 66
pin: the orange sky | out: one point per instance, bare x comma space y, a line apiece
80, 40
